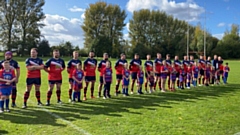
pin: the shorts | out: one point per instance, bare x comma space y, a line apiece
101, 79
151, 84
90, 78
31, 81
164, 77
158, 74
195, 76
6, 91
125, 82
119, 77
70, 80
77, 86
178, 75
134, 75
189, 77
173, 79
54, 82
140, 81
201, 72
207, 76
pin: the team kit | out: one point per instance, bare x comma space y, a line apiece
162, 72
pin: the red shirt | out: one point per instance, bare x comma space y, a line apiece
34, 62
119, 66
6, 75
71, 66
90, 66
55, 68
134, 65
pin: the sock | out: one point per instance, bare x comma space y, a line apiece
85, 91
133, 81
58, 92
159, 84
203, 80
73, 95
37, 94
168, 82
79, 95
195, 83
1, 104
199, 80
26, 96
70, 93
126, 90
99, 94
7, 103
178, 84
14, 94
145, 84
117, 87
49, 94
188, 84
104, 92
92, 90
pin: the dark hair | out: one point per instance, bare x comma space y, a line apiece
167, 55
91, 51
55, 50
136, 54
226, 63
35, 49
122, 54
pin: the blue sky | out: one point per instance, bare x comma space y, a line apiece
64, 17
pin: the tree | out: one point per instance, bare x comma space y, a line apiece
102, 26
44, 48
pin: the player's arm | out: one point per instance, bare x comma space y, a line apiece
2, 79
130, 65
85, 65
99, 67
28, 65
69, 67
116, 65
104, 75
73, 77
47, 65
63, 65
40, 66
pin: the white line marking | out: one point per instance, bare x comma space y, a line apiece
62, 119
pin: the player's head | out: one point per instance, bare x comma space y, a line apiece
56, 53
195, 63
6, 65
91, 54
168, 56
191, 57
176, 57
108, 64
209, 58
226, 64
173, 65
159, 55
189, 66
215, 56
148, 57
219, 58
164, 62
181, 66
75, 54
79, 66
185, 57
123, 56
136, 56
34, 52
105, 56
8, 55
201, 57
125, 65
208, 64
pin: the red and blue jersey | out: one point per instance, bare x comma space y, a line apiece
208, 62
158, 65
226, 69
148, 65
220, 64
71, 66
78, 74
55, 68
185, 64
7, 75
101, 66
126, 73
140, 74
169, 63
163, 69
107, 72
119, 66
195, 70
177, 65
191, 62
13, 64
34, 62
173, 74
134, 65
202, 63
90, 66
207, 71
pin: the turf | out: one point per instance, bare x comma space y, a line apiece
201, 111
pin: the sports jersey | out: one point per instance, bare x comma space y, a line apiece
13, 64
158, 65
34, 62
90, 66
173, 74
134, 65
101, 66
164, 74
71, 66
177, 64
208, 62
169, 63
191, 62
202, 63
195, 70
140, 76
55, 68
8, 75
181, 75
107, 72
207, 72
119, 66
78, 74
125, 73
148, 65
220, 65
185, 64
225, 71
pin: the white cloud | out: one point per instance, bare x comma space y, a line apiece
189, 10
83, 16
76, 9
127, 26
59, 28
222, 24
219, 36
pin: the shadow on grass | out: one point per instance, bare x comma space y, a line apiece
3, 132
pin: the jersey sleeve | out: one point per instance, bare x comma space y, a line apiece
99, 65
16, 65
27, 62
63, 64
69, 64
13, 74
47, 64
1, 74
145, 64
41, 62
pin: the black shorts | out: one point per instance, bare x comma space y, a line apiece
134, 75
101, 80
70, 80
177, 75
119, 77
54, 81
221, 72
201, 72
90, 78
158, 74
31, 81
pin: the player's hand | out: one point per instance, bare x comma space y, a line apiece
7, 83
104, 82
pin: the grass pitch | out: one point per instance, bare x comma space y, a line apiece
199, 111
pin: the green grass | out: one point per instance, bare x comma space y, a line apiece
202, 111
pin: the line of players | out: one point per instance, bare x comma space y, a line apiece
156, 72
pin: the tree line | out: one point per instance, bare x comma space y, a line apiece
150, 31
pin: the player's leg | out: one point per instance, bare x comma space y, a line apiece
155, 81
37, 90
134, 77
14, 94
49, 93
163, 81
70, 90
2, 102
86, 87
108, 89
146, 81
7, 101
79, 93
93, 79
100, 86
118, 80
58, 91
